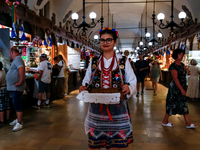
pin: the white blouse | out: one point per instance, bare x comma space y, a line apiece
129, 74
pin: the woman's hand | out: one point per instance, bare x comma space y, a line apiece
125, 89
183, 92
82, 88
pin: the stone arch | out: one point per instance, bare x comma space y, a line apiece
5, 19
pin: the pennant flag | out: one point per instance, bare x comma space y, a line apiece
183, 47
162, 54
168, 52
50, 41
45, 40
13, 32
23, 37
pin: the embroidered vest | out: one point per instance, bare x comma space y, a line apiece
115, 79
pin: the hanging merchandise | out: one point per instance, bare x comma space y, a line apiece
37, 41
45, 40
183, 47
12, 3
14, 20
162, 54
23, 37
168, 52
50, 41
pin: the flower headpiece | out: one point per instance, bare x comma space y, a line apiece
107, 28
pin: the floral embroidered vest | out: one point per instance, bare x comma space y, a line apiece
115, 79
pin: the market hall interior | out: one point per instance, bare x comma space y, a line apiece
61, 127
46, 26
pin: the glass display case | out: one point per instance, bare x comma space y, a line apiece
33, 54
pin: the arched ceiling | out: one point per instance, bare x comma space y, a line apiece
125, 15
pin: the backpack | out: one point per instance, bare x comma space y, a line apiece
55, 71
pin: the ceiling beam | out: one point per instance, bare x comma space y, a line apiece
126, 2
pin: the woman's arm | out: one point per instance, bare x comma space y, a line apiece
86, 78
174, 74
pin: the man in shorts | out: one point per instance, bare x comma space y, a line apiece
16, 84
44, 71
141, 70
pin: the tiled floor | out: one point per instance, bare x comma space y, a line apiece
60, 127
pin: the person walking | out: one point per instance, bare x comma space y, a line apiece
193, 82
109, 126
176, 96
16, 84
4, 97
60, 79
141, 70
156, 75
67, 72
44, 70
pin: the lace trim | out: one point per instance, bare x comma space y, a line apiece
110, 136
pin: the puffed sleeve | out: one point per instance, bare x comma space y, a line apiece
87, 75
130, 78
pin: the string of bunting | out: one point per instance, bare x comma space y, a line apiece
11, 3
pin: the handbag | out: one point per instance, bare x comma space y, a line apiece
36, 76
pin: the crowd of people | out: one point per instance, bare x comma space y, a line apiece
13, 85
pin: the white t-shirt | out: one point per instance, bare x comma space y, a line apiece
62, 64
45, 66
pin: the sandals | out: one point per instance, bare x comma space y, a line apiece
168, 124
192, 126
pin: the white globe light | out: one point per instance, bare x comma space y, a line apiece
96, 37
115, 47
148, 35
182, 15
74, 16
117, 51
159, 35
141, 43
150, 43
93, 15
137, 48
161, 16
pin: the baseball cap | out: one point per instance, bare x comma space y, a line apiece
43, 56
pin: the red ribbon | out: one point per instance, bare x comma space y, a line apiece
111, 119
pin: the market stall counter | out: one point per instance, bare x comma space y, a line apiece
165, 77
75, 79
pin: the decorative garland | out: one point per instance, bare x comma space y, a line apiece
107, 28
12, 3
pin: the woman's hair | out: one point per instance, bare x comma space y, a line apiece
176, 52
110, 31
55, 58
193, 62
1, 65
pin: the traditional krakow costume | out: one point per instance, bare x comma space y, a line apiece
109, 125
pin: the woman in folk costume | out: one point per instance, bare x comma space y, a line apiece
109, 126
